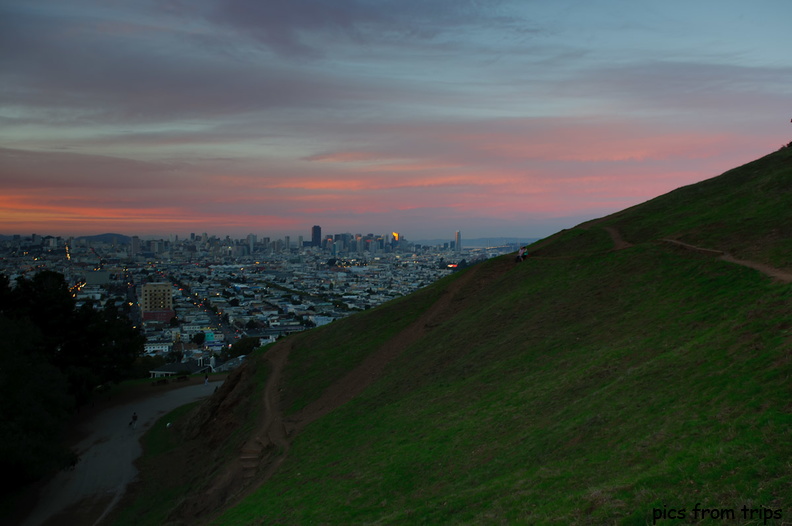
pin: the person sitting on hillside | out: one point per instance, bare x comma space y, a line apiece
521, 254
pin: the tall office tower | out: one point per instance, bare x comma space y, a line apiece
287, 243
251, 241
346, 240
156, 301
316, 236
458, 242
134, 247
300, 242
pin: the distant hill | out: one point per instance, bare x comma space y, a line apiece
118, 239
632, 367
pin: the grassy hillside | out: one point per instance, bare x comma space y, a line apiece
585, 385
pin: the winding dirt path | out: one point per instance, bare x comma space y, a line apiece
781, 275
775, 273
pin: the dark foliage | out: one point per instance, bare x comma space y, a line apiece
244, 346
53, 356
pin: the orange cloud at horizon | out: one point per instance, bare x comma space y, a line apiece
20, 213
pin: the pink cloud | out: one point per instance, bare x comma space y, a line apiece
592, 140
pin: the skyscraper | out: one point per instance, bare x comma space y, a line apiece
316, 236
458, 242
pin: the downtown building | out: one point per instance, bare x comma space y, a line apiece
156, 302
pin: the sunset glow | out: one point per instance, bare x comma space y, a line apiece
504, 118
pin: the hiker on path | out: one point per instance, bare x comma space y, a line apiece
133, 422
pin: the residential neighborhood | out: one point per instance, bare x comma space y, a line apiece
194, 298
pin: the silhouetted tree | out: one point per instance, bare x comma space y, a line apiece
53, 357
243, 346
36, 405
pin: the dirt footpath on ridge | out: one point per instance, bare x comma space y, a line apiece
775, 273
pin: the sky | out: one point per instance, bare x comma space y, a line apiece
514, 118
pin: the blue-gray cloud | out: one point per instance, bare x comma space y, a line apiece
310, 28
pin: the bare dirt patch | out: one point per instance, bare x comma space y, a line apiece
618, 241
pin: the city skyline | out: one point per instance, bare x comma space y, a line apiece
497, 119
315, 238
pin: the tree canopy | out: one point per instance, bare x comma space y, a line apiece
244, 346
53, 356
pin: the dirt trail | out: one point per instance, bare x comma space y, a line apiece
775, 273
359, 378
273, 432
618, 241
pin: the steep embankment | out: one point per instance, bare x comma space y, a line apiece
610, 377
605, 386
